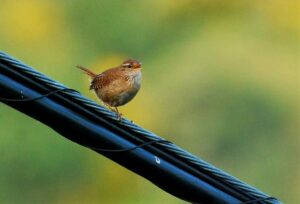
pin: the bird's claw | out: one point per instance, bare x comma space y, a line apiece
119, 116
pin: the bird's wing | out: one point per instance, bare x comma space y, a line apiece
105, 78
99, 81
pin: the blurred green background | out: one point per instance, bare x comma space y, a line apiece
220, 79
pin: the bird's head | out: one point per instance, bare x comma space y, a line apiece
132, 64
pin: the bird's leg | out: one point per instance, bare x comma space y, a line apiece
109, 107
118, 113
114, 109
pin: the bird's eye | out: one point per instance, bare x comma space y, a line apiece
127, 65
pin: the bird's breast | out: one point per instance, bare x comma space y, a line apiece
137, 80
120, 91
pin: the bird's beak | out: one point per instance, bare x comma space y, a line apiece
138, 65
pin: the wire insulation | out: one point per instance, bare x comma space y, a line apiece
253, 195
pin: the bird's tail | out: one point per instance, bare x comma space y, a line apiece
87, 71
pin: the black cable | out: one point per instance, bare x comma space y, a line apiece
36, 98
171, 148
258, 200
113, 150
131, 148
94, 148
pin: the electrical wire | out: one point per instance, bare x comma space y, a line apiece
254, 194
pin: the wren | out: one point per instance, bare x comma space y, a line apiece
116, 86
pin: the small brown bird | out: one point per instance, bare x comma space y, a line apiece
116, 86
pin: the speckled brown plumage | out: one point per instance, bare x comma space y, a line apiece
116, 86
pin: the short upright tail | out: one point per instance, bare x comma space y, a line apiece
87, 71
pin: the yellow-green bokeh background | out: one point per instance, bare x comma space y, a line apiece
220, 79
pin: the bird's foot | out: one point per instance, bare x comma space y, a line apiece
119, 116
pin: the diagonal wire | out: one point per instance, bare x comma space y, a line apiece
183, 155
